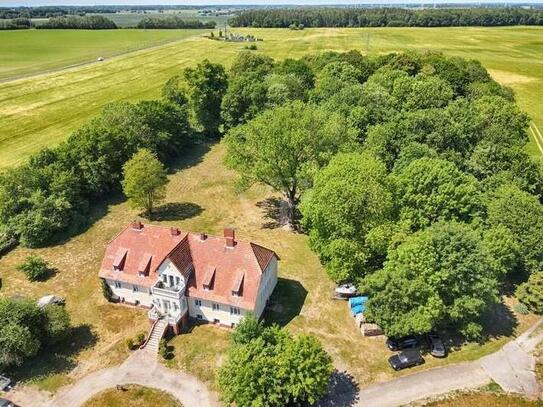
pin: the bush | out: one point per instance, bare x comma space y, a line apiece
251, 47
140, 338
35, 268
106, 290
521, 308
130, 343
530, 293
58, 323
164, 350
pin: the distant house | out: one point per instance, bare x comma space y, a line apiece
181, 275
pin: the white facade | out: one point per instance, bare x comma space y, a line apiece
167, 297
131, 293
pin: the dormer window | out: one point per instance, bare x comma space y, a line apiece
237, 287
209, 279
145, 265
120, 259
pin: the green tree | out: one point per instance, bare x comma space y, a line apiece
530, 293
521, 214
35, 268
350, 196
207, 85
431, 190
284, 147
248, 329
144, 180
58, 323
441, 276
16, 344
275, 369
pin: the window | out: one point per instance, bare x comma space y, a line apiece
164, 278
166, 304
177, 281
234, 311
216, 321
118, 284
175, 306
135, 288
198, 303
215, 307
199, 316
235, 293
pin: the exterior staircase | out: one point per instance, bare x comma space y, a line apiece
155, 335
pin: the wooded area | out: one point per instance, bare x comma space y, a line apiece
385, 17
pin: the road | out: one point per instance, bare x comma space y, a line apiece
512, 367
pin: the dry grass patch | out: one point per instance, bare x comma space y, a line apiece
483, 399
132, 396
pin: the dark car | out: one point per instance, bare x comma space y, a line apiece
6, 403
437, 348
5, 383
405, 359
407, 342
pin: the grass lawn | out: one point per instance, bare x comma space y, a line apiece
43, 110
201, 197
132, 396
26, 52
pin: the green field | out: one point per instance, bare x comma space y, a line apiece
131, 19
25, 52
43, 110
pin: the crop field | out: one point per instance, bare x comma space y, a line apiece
42, 110
25, 52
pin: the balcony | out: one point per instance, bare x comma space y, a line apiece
155, 314
162, 290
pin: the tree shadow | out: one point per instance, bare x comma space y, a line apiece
97, 211
286, 302
57, 358
191, 157
497, 322
272, 212
342, 391
176, 211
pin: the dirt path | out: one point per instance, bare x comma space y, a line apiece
140, 368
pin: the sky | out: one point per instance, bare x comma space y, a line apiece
11, 3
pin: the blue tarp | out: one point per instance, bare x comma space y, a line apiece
357, 301
358, 309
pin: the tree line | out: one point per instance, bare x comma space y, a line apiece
173, 22
385, 17
15, 24
92, 22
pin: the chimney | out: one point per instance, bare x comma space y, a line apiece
229, 236
137, 225
203, 236
175, 231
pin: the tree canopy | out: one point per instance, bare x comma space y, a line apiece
271, 367
285, 146
437, 277
144, 181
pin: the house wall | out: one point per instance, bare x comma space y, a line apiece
167, 268
142, 296
207, 312
267, 285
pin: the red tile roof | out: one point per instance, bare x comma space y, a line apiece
209, 261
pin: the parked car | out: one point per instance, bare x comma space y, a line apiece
407, 342
437, 347
405, 359
345, 291
5, 383
6, 403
